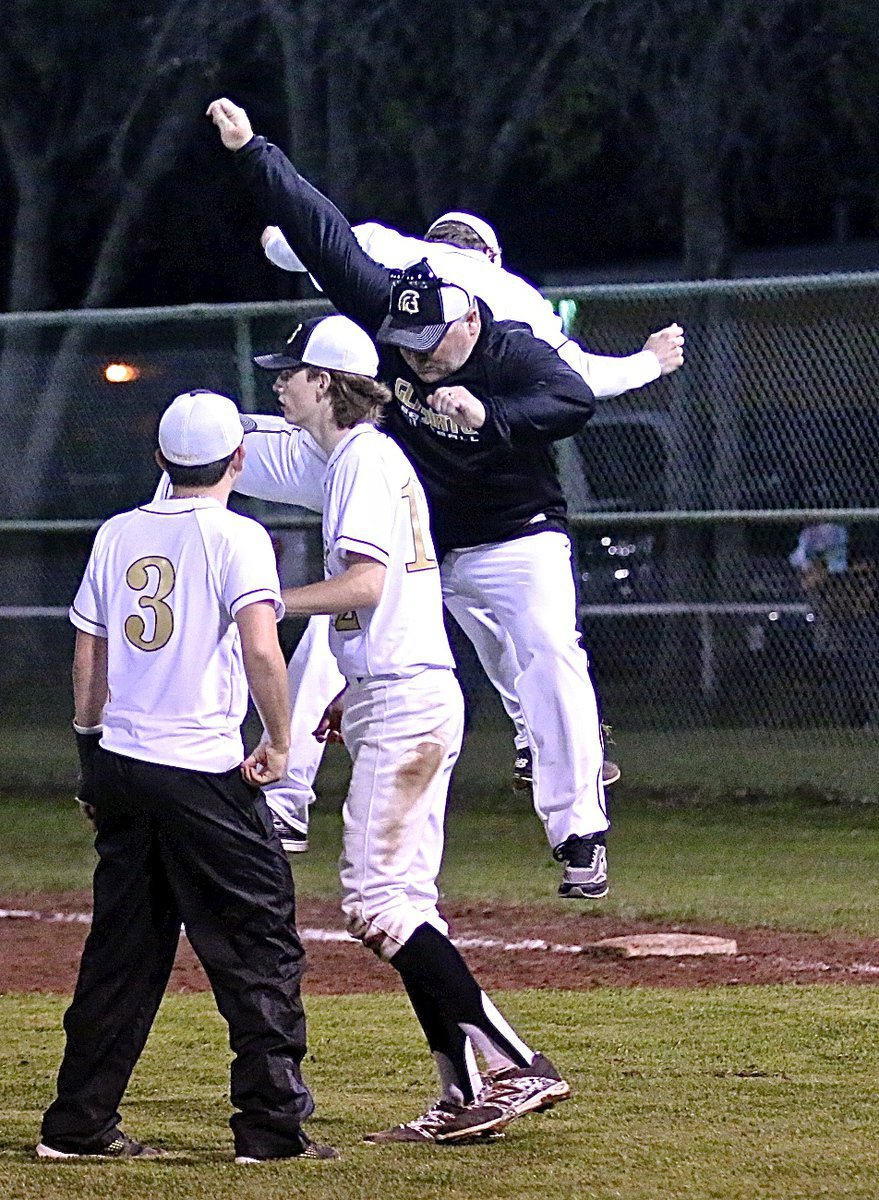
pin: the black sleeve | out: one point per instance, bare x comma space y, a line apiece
541, 399
358, 287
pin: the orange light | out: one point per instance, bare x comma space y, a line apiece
121, 373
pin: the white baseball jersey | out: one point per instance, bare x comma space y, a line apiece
374, 505
281, 462
509, 297
163, 585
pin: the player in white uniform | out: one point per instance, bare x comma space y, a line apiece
402, 723
474, 264
175, 616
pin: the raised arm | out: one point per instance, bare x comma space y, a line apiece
313, 226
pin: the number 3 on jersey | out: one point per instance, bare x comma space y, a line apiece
420, 562
139, 576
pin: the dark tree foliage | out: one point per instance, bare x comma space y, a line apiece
587, 130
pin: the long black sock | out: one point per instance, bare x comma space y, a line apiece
448, 1043
433, 964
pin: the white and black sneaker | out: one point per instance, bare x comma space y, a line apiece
445, 1121
523, 775
116, 1144
585, 860
523, 771
294, 839
520, 1090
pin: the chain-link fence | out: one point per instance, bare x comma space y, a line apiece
725, 518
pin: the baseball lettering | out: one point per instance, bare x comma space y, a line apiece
138, 577
421, 561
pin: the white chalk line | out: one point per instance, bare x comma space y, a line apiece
311, 934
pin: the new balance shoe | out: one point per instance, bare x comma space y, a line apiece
523, 775
523, 771
293, 839
445, 1121
115, 1145
309, 1150
520, 1090
585, 860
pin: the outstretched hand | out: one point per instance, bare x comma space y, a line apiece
668, 346
232, 122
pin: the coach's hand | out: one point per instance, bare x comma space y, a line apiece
232, 122
459, 404
267, 764
668, 346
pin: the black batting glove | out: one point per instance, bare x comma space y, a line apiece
87, 743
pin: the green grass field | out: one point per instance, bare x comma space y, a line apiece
734, 1093
708, 1094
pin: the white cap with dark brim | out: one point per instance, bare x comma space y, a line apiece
334, 343
200, 427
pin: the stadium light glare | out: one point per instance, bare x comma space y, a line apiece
117, 372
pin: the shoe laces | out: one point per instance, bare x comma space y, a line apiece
576, 846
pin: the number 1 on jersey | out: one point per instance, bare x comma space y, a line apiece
420, 562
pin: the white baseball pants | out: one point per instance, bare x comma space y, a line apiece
404, 737
528, 585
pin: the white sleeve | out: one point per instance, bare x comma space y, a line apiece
386, 246
365, 508
609, 376
279, 251
163, 487
282, 463
87, 611
251, 574
389, 247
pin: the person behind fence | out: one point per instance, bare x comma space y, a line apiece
175, 617
840, 583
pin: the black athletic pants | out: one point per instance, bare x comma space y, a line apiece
177, 845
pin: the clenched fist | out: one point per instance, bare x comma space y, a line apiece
232, 122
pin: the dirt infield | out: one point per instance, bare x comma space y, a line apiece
40, 953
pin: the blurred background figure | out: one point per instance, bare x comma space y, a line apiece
839, 581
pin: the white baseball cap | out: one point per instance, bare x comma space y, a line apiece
200, 427
481, 228
334, 343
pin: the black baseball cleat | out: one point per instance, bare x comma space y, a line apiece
116, 1144
523, 771
585, 859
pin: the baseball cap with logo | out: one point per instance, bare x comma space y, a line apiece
200, 427
334, 343
481, 228
422, 308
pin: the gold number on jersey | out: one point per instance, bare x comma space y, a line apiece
347, 622
138, 578
420, 562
